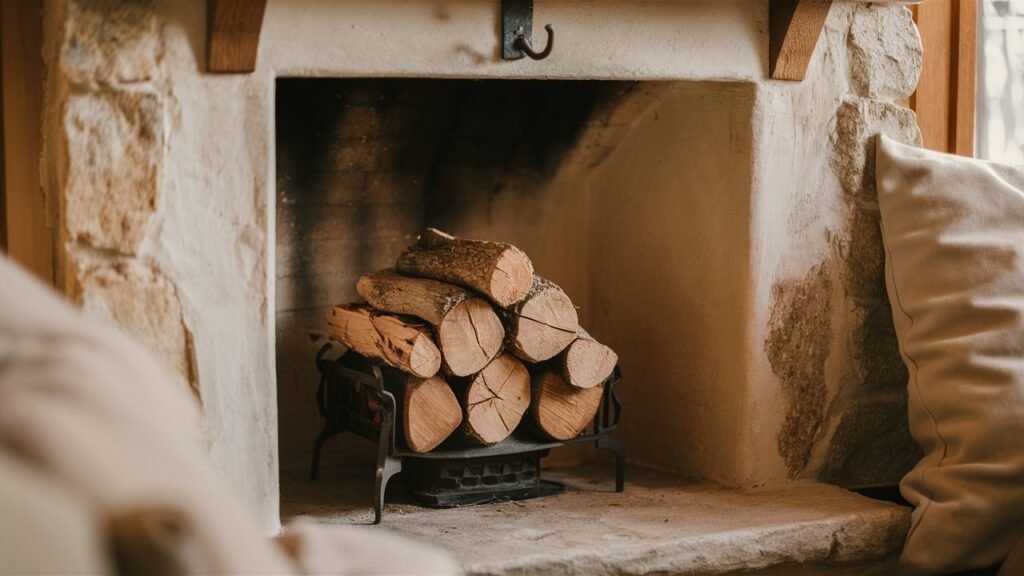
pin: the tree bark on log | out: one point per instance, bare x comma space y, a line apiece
562, 411
401, 342
543, 324
430, 412
469, 332
496, 399
500, 271
587, 363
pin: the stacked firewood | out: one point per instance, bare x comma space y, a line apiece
482, 338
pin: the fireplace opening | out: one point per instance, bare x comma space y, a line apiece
602, 183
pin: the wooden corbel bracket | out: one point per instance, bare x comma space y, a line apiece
233, 34
793, 30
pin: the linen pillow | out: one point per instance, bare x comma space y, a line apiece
953, 230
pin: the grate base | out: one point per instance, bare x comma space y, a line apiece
467, 481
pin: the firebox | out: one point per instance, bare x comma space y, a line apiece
365, 164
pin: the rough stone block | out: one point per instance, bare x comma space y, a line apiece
110, 42
872, 445
863, 254
885, 52
115, 147
858, 122
797, 348
142, 302
874, 349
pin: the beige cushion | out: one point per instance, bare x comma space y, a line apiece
44, 529
953, 230
92, 412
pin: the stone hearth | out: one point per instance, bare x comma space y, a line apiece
659, 525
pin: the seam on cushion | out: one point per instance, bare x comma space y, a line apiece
917, 386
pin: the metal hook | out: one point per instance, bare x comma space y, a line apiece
522, 44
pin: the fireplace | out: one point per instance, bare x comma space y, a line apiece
716, 227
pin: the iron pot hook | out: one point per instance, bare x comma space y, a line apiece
521, 43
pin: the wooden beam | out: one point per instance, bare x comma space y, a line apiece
793, 30
233, 34
944, 100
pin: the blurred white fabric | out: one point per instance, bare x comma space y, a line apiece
102, 470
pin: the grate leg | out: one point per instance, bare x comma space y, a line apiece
607, 443
317, 446
385, 470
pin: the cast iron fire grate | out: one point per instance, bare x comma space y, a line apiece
363, 398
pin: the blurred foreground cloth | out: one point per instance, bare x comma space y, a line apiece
102, 470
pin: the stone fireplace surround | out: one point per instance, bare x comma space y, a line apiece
743, 209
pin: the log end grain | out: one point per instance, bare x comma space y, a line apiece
496, 399
431, 412
587, 363
562, 411
544, 324
470, 336
512, 277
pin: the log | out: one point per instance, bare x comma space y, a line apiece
587, 363
397, 341
499, 271
469, 333
495, 400
559, 410
543, 324
430, 412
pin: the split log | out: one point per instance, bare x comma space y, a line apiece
430, 412
543, 324
562, 411
496, 399
500, 271
401, 342
469, 333
586, 362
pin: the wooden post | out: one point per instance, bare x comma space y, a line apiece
944, 99
23, 213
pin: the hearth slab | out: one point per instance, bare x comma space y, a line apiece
660, 524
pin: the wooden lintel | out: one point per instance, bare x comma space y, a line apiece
233, 34
793, 30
